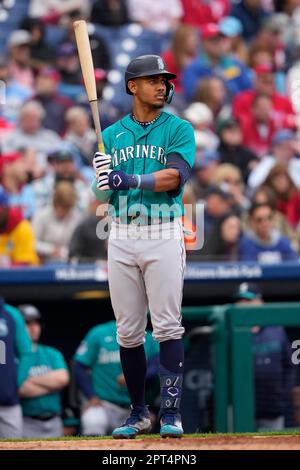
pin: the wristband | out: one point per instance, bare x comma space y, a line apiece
145, 181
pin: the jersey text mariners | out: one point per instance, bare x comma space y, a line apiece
137, 149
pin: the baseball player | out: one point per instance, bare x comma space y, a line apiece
41, 378
14, 344
107, 396
149, 158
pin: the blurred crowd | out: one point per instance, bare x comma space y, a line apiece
237, 65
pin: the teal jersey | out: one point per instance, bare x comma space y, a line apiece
100, 352
15, 345
142, 150
43, 360
22, 341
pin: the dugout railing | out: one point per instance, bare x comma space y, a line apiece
216, 316
240, 320
232, 358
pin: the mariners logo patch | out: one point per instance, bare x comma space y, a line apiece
160, 64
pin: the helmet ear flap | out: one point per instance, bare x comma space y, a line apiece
170, 92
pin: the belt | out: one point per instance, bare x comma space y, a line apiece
143, 220
44, 416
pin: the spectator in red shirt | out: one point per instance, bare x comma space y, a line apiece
258, 125
5, 127
201, 12
264, 83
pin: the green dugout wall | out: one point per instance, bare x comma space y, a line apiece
234, 407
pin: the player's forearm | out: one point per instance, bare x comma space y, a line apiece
54, 380
166, 180
170, 179
31, 390
160, 181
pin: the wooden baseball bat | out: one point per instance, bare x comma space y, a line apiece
87, 69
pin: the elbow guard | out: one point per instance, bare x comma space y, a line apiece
178, 163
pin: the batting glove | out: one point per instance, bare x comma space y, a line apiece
115, 180
101, 161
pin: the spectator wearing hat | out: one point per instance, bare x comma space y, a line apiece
273, 369
54, 104
262, 51
283, 150
17, 346
217, 203
62, 167
18, 45
15, 95
252, 16
41, 376
98, 43
274, 34
264, 83
201, 118
231, 148
264, 243
30, 134
202, 12
232, 28
14, 177
67, 63
215, 59
16, 236
54, 224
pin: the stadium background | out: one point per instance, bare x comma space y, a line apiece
74, 297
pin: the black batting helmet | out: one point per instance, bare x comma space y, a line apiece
146, 65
